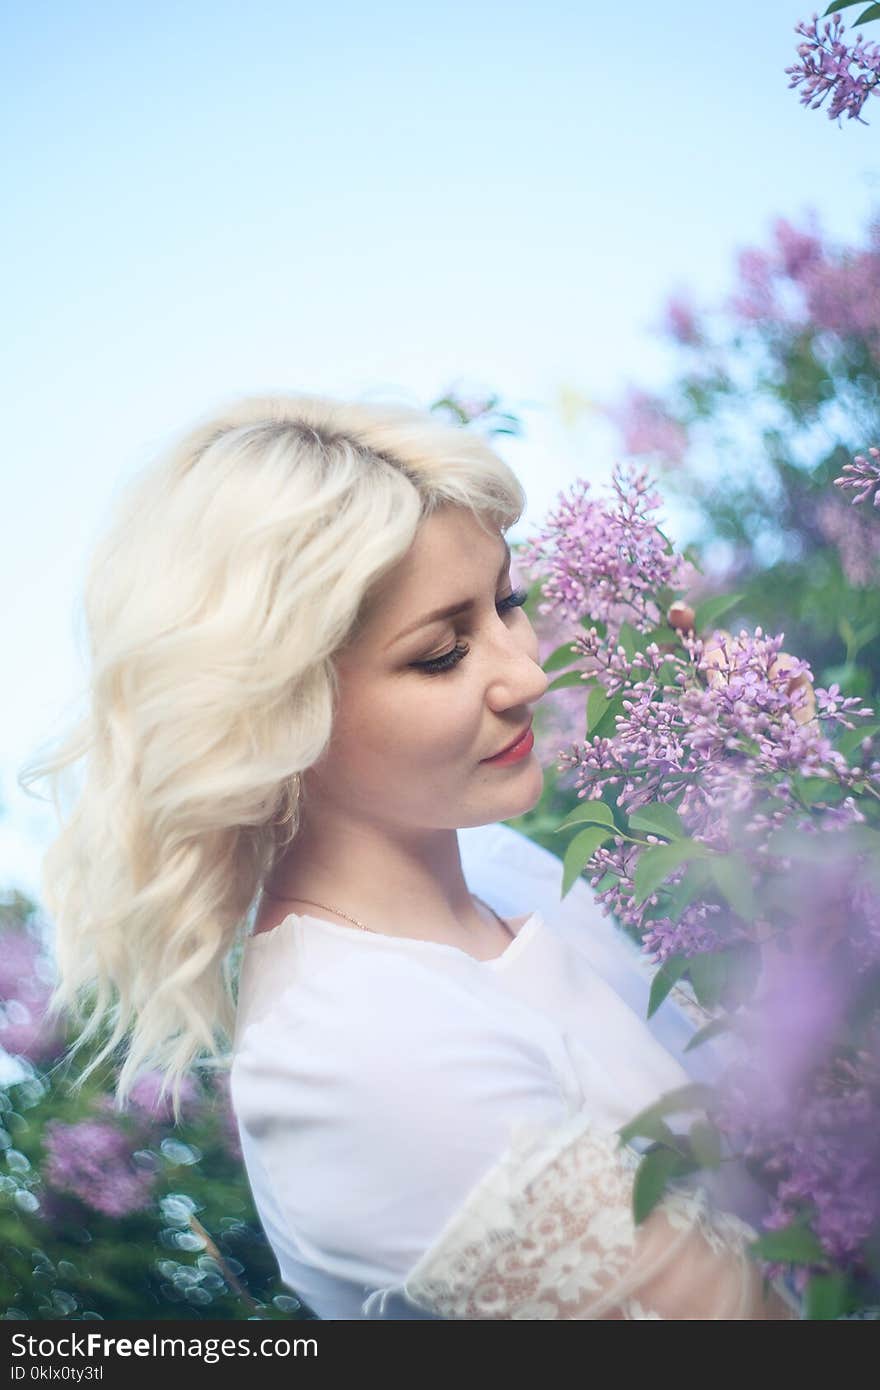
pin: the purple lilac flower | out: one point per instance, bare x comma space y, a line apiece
825, 69
681, 321
25, 992
862, 477
730, 731
798, 253
756, 299
647, 427
821, 1141
855, 538
145, 1096
844, 297
92, 1160
606, 559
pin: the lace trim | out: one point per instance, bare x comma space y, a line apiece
548, 1234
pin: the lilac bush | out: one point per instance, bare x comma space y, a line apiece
710, 769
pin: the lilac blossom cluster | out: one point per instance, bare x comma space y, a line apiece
608, 561
862, 477
722, 745
718, 730
825, 69
92, 1160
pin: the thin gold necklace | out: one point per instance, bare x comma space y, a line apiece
312, 903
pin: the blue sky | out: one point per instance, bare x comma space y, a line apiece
208, 199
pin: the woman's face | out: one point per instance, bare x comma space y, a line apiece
408, 746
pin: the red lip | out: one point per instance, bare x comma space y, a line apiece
519, 738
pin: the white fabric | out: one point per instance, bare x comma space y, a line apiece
411, 1117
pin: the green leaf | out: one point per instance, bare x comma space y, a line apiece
872, 12
629, 639
694, 1096
589, 813
662, 635
562, 682
691, 553
851, 738
670, 971
562, 657
658, 819
842, 5
656, 1128
827, 1296
708, 974
658, 862
708, 613
733, 876
811, 789
745, 963
653, 1174
694, 881
580, 851
710, 1030
794, 1244
706, 1143
725, 977
597, 706
607, 725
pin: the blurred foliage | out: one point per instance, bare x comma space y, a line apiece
195, 1250
776, 390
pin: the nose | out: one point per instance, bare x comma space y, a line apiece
519, 679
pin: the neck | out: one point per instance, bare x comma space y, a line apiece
378, 873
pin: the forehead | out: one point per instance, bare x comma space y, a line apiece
448, 562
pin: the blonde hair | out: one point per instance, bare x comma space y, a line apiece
232, 571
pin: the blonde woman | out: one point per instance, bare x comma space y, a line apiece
310, 714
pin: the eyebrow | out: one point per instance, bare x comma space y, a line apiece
464, 607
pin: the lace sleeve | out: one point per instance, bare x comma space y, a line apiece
548, 1233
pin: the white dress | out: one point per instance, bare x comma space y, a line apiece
427, 1135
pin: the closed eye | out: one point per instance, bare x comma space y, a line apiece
448, 660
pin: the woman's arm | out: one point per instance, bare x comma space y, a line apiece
549, 1234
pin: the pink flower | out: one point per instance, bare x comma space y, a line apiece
91, 1160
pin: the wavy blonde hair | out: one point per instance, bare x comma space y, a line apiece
231, 572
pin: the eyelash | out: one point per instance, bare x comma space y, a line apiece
448, 660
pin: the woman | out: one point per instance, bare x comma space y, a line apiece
309, 662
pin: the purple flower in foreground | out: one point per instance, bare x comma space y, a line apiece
145, 1096
92, 1160
825, 69
862, 477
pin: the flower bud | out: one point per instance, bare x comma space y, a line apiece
681, 616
